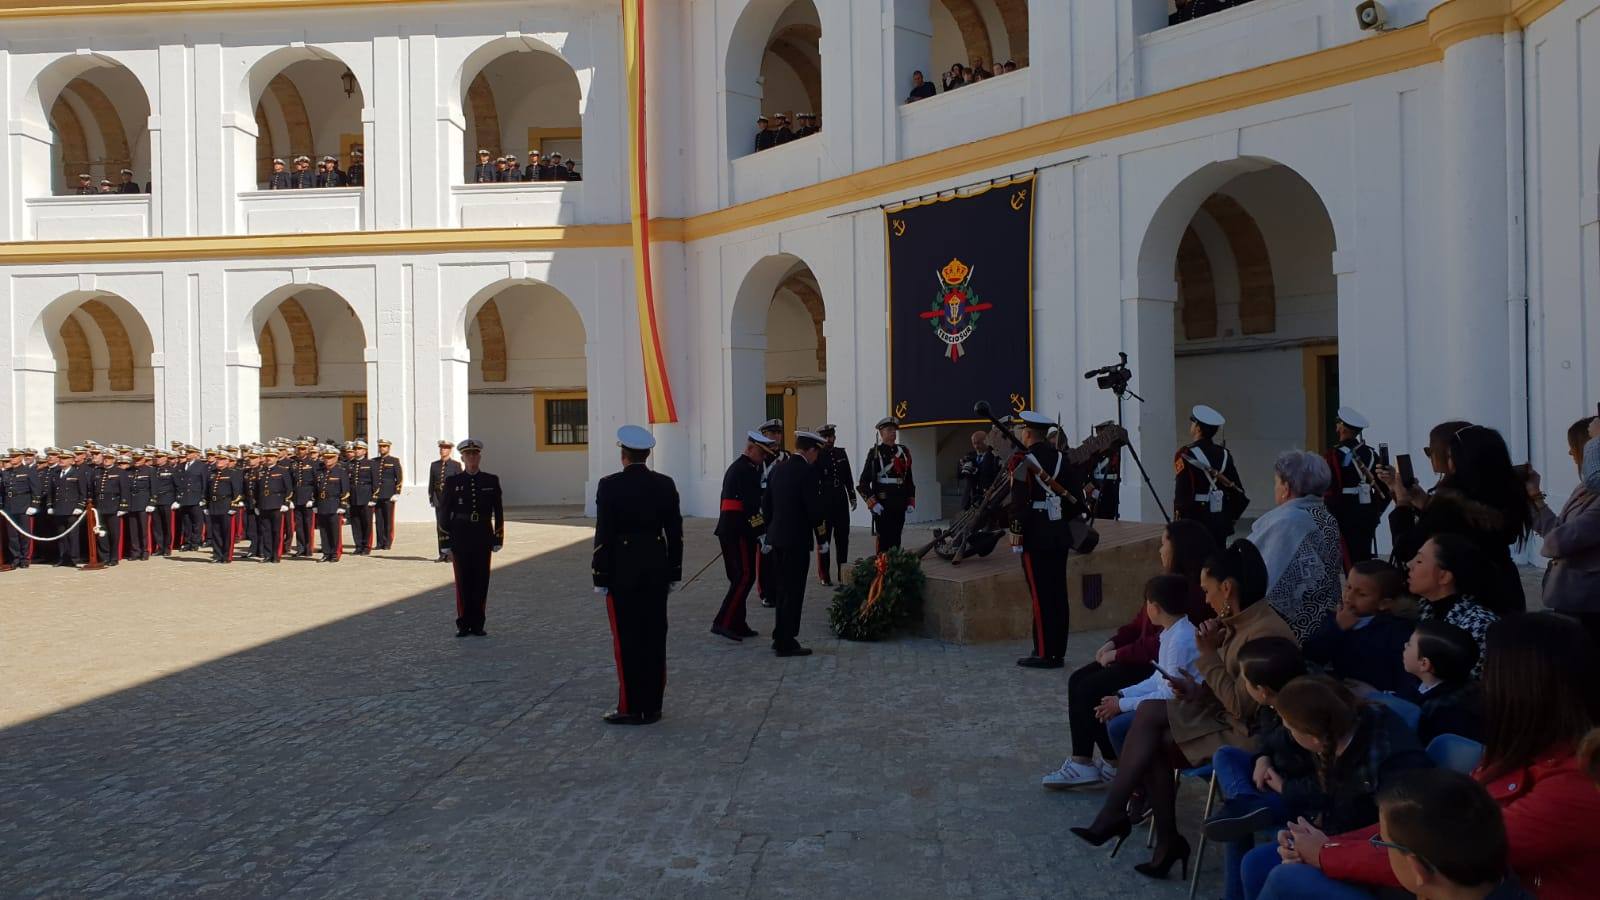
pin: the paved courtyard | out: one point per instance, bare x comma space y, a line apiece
179, 729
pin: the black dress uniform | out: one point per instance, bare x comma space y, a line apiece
1200, 495
638, 555
484, 172
887, 486
137, 540
274, 490
1107, 478
1045, 542
361, 500
387, 479
249, 512
356, 175
792, 506
440, 471
303, 474
22, 490
192, 477
164, 497
1356, 498
222, 505
473, 521
110, 506
69, 496
333, 494
976, 472
766, 575
330, 177
740, 526
838, 499
278, 181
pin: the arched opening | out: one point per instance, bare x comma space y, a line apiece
527, 390
519, 96
1256, 326
313, 366
774, 70
99, 119
778, 351
308, 104
104, 384
984, 38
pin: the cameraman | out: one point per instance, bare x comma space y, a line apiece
977, 471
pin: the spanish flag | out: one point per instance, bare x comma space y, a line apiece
657, 387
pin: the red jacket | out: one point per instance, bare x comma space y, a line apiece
1552, 812
1139, 641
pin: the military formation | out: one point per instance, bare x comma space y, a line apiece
502, 169
86, 185
327, 173
98, 506
774, 131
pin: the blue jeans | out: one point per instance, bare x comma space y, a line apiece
1293, 882
1235, 770
1117, 730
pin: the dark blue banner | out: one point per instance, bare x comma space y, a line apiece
961, 304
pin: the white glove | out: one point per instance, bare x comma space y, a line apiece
309, 502
874, 508
285, 507
600, 590
372, 503
672, 587
121, 513
765, 547
174, 506
78, 511
231, 512
149, 509
33, 510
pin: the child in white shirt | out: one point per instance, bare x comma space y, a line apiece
1166, 600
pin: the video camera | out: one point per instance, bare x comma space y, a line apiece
1114, 378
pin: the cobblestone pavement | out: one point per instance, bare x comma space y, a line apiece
179, 729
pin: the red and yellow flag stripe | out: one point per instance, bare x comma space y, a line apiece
657, 388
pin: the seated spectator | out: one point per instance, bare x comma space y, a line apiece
1299, 541
1442, 577
1572, 540
920, 89
1166, 603
1445, 837
1591, 458
1201, 719
1363, 640
1442, 657
955, 78
1127, 659
1540, 694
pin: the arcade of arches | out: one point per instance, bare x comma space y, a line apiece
307, 108
104, 383
524, 99
99, 125
313, 372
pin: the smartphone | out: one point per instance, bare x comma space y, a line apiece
1408, 477
1383, 455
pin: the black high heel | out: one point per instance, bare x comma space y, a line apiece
1093, 838
1161, 864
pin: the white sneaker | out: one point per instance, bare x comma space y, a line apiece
1107, 771
1072, 775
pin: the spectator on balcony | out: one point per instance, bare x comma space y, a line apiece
330, 176
956, 77
806, 128
105, 186
302, 177
279, 179
572, 171
484, 172
766, 138
356, 175
921, 89
979, 71
128, 186
85, 184
510, 172
557, 170
534, 171
781, 126
1010, 66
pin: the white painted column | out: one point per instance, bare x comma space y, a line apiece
1150, 424
242, 384
224, 156
427, 112
173, 147
1050, 59
369, 194
33, 398
907, 48
238, 170
11, 182
390, 398
158, 390
388, 156
28, 143
1472, 172
217, 378
178, 389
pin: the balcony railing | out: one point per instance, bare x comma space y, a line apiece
516, 204
309, 211
89, 217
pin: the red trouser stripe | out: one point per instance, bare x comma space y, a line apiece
172, 532
461, 608
1038, 615
338, 537
122, 540
149, 535
742, 589
616, 650
284, 519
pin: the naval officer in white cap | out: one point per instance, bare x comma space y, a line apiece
1040, 531
1207, 487
473, 522
638, 557
1357, 498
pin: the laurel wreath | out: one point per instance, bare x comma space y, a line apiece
938, 306
884, 592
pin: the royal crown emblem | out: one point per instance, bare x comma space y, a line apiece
956, 308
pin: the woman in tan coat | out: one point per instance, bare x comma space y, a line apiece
1185, 732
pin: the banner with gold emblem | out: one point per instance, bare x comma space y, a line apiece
961, 303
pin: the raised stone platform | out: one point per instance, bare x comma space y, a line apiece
986, 599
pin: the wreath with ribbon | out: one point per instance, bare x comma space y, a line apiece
883, 593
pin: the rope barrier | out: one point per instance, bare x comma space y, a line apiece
34, 537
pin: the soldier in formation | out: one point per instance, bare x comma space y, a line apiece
1206, 487
472, 525
887, 486
1357, 497
838, 502
440, 471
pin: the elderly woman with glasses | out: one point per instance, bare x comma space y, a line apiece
1299, 541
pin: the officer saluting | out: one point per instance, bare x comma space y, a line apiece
473, 523
1356, 498
838, 501
1039, 529
886, 484
1207, 487
638, 557
739, 526
439, 471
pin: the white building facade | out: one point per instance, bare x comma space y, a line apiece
1269, 209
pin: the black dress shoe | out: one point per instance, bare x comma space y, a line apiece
621, 718
652, 718
719, 631
1041, 662
462, 632
748, 632
796, 650
1239, 818
479, 632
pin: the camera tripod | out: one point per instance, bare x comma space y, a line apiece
1115, 378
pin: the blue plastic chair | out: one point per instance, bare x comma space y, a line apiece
1409, 712
1456, 753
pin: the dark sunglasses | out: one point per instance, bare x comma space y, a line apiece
1378, 842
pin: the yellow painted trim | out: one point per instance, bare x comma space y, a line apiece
539, 399
348, 243
18, 9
